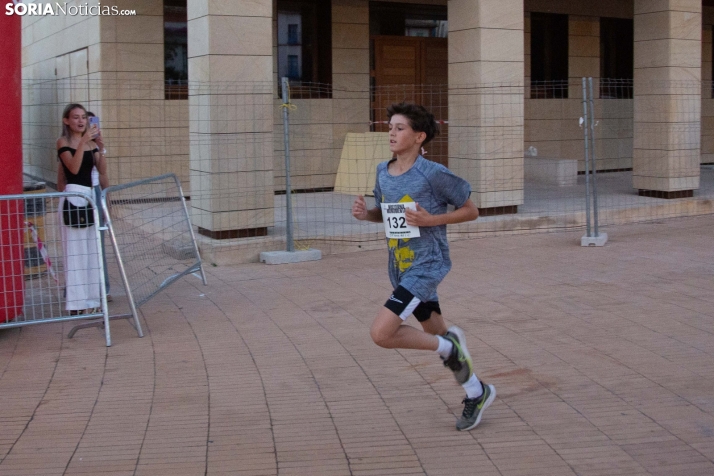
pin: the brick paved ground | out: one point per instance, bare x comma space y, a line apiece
603, 361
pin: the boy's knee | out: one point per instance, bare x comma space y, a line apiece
380, 337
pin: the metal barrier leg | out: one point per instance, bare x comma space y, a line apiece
99, 323
122, 272
87, 325
193, 235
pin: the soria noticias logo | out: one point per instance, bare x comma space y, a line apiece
31, 8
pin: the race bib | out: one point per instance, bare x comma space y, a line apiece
395, 220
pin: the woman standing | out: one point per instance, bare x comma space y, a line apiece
78, 155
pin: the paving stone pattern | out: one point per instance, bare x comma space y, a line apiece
603, 361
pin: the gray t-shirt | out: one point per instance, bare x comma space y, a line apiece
420, 264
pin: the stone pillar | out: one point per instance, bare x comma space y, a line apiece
667, 104
350, 68
230, 116
486, 74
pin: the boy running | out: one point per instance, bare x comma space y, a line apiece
417, 191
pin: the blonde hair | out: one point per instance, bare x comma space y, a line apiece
66, 132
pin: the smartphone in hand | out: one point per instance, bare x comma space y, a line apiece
94, 122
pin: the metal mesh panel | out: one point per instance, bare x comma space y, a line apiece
522, 152
152, 232
51, 272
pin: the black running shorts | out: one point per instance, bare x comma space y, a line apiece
403, 304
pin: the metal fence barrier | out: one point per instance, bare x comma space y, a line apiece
51, 272
518, 143
152, 235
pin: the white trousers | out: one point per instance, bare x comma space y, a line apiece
81, 258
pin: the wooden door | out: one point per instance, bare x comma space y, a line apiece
412, 69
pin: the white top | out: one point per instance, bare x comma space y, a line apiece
95, 177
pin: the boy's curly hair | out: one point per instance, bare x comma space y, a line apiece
420, 119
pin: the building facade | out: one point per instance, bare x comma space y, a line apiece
192, 87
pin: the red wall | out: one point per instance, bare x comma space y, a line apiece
11, 212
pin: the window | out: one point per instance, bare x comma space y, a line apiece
408, 19
293, 34
617, 44
549, 55
426, 28
305, 46
175, 49
293, 67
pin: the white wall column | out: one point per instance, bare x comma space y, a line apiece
486, 75
231, 111
667, 104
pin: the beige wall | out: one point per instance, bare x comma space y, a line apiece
61, 78
551, 125
318, 126
132, 73
123, 85
125, 56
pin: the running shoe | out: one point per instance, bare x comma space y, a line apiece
460, 360
474, 407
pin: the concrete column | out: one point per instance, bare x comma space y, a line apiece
230, 116
486, 74
667, 103
350, 68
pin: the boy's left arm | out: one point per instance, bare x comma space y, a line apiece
421, 217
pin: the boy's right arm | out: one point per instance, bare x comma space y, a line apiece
361, 212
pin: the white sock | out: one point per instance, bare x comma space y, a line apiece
473, 387
444, 349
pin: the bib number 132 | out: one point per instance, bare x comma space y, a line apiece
397, 223
395, 220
